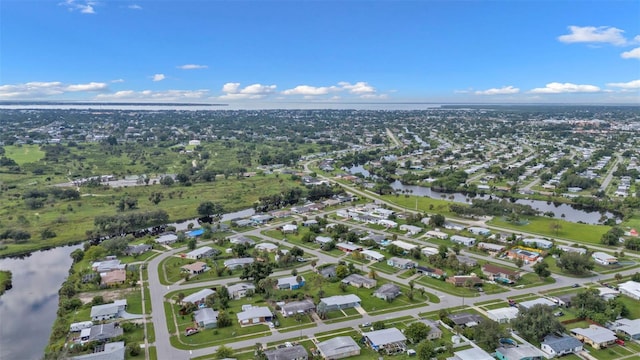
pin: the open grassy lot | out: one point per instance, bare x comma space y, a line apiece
425, 204
580, 233
23, 154
5, 280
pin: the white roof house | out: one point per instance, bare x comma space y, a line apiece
289, 228
404, 245
538, 243
372, 255
199, 296
604, 258
490, 246
166, 239
437, 234
388, 223
471, 354
463, 240
503, 315
630, 289
111, 351
595, 335
539, 301
628, 327
339, 347
199, 253
391, 340
522, 351
237, 263
479, 230
267, 246
254, 312
566, 248
411, 229
429, 250
108, 311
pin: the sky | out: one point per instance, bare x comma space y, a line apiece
321, 52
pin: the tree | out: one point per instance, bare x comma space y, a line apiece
77, 255
210, 209
115, 246
223, 319
342, 271
541, 268
95, 252
443, 251
555, 227
224, 352
519, 262
426, 350
535, 323
166, 181
191, 244
133, 348
378, 325
612, 237
256, 271
487, 334
156, 197
575, 263
416, 332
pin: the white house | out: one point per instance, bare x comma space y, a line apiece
604, 258
404, 245
429, 250
108, 311
238, 291
205, 251
463, 240
289, 229
503, 315
410, 229
630, 289
538, 243
372, 255
437, 234
389, 224
198, 297
479, 231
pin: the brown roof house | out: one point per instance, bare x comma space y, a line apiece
113, 277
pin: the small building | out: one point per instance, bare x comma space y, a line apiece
322, 240
242, 240
135, 250
389, 224
237, 263
267, 246
630, 289
474, 353
348, 247
434, 329
111, 351
462, 280
467, 260
107, 265
113, 277
411, 229
196, 268
572, 249
500, 274
465, 319
255, 315
239, 290
596, 336
401, 263
297, 307
327, 272
101, 332
78, 326
463, 240
166, 239
539, 301
554, 345
391, 340
433, 272
290, 283
198, 297
338, 302
203, 252
387, 292
525, 255
289, 229
429, 250
520, 352
295, 352
604, 258
372, 255
404, 245
479, 231
261, 219
503, 315
108, 311
437, 234
538, 243
496, 248
628, 328
206, 318
339, 347
359, 281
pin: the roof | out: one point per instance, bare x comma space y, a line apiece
539, 301
298, 306
238, 261
561, 343
384, 336
388, 289
372, 254
462, 239
197, 296
289, 280
630, 287
254, 312
114, 276
206, 316
631, 327
266, 246
112, 351
341, 299
240, 286
166, 238
404, 245
104, 331
521, 351
504, 313
493, 269
287, 353
241, 239
596, 333
107, 309
336, 346
359, 279
603, 256
401, 261
196, 266
473, 354
200, 251
464, 318
348, 246
490, 246
539, 242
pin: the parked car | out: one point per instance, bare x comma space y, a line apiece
575, 285
190, 331
620, 342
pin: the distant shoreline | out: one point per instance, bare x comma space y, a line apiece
5, 281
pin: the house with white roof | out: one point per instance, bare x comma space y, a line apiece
267, 246
538, 243
596, 336
339, 347
475, 353
626, 327
289, 229
337, 302
198, 297
255, 315
290, 283
411, 229
206, 318
391, 340
463, 240
404, 245
237, 263
108, 311
503, 315
604, 258
437, 234
630, 289
372, 255
479, 231
520, 352
539, 301
401, 263
238, 291
203, 252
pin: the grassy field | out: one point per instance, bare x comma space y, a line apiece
5, 281
23, 154
425, 204
580, 233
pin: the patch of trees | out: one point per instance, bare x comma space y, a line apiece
277, 201
573, 180
590, 305
120, 224
494, 207
451, 182
535, 323
612, 237
575, 263
18, 236
318, 192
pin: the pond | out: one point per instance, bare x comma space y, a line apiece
29, 309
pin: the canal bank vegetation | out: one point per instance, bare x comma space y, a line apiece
5, 281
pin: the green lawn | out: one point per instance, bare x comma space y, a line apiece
580, 233
23, 154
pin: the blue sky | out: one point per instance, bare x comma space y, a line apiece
506, 51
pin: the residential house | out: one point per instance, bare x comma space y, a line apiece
500, 274
437, 234
466, 260
297, 307
101, 332
389, 224
503, 315
463, 240
107, 265
479, 231
462, 280
338, 302
539, 301
290, 283
241, 240
434, 329
206, 318
453, 226
309, 222
358, 281
295, 352
348, 247
401, 263
239, 290
261, 219
538, 243
203, 252
135, 250
108, 311
198, 297
596, 336
520, 352
407, 247
110, 351
554, 345
322, 240
628, 328
196, 268
372, 255
254, 315
465, 319
78, 326
387, 292
289, 229
429, 250
411, 229
604, 258
242, 222
566, 248
475, 353
327, 272
237, 263
525, 255
434, 273
166, 239
630, 289
267, 246
391, 340
113, 277
339, 347
495, 248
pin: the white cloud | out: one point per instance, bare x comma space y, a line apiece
192, 67
631, 54
359, 88
150, 95
374, 96
135, 7
39, 89
505, 90
84, 7
592, 34
308, 90
158, 77
254, 91
117, 81
633, 84
559, 88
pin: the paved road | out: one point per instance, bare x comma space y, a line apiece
609, 176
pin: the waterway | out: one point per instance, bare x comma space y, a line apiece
28, 310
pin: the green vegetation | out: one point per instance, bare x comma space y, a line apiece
580, 233
5, 281
24, 154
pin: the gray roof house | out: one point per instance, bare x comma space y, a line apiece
237, 263
296, 352
434, 330
387, 292
358, 280
338, 302
554, 345
630, 328
596, 336
255, 315
205, 251
134, 250
338, 348
102, 332
198, 297
108, 311
166, 239
297, 307
112, 351
328, 271
465, 319
520, 352
391, 341
238, 291
206, 318
241, 239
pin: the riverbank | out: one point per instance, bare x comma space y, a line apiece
5, 281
